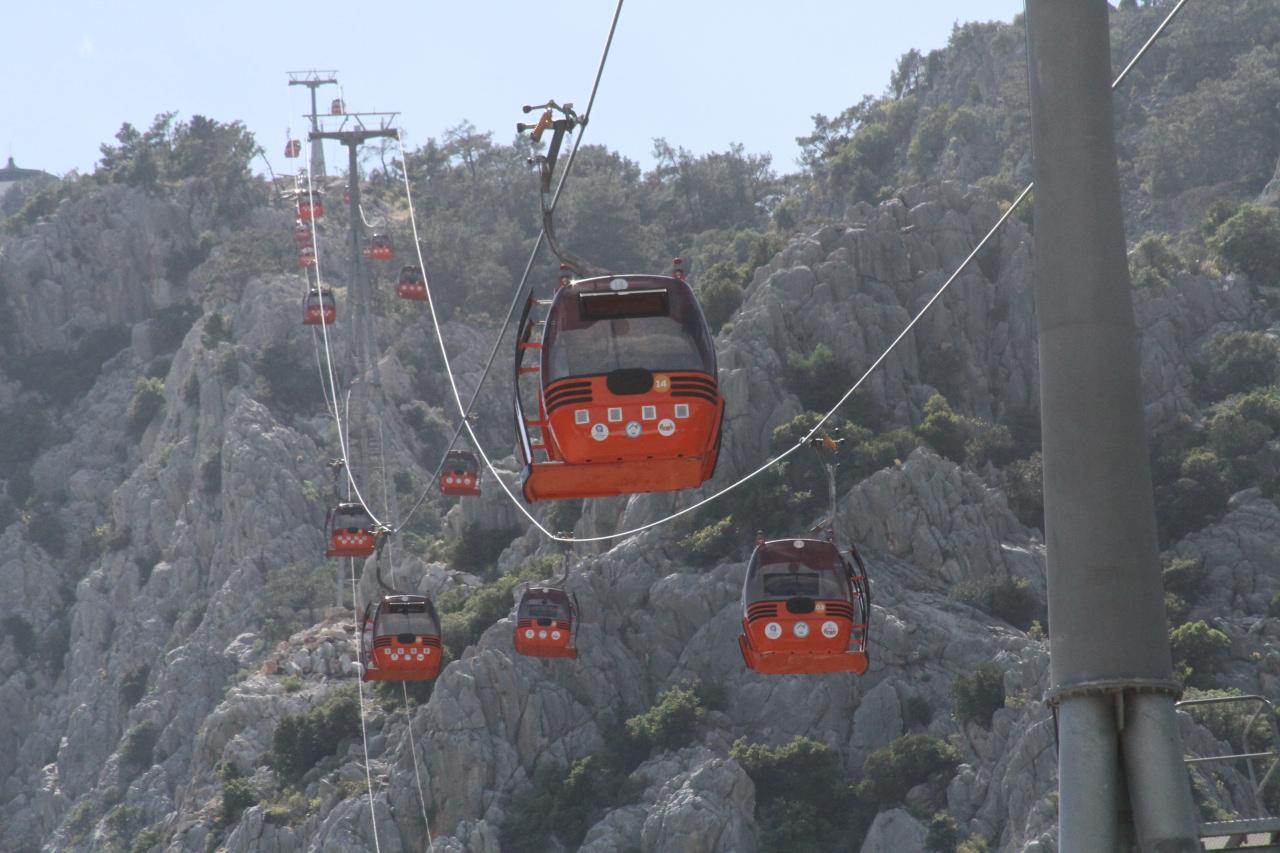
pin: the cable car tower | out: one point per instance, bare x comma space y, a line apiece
362, 403
314, 80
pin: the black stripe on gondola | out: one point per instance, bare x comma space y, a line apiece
573, 388
762, 610
840, 609
561, 402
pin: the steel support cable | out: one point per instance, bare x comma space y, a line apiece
324, 386
528, 267
413, 750
519, 505
364, 730
1168, 19
328, 355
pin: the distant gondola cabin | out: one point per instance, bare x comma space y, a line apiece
302, 235
805, 609
412, 284
293, 148
319, 308
310, 206
306, 257
546, 623
400, 639
351, 531
460, 474
379, 248
336, 107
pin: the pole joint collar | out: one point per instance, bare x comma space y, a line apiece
1108, 686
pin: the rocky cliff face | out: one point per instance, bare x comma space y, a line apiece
168, 678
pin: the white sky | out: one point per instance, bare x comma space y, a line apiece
702, 73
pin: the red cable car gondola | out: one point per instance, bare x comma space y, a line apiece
804, 609
379, 248
351, 531
546, 623
336, 108
302, 234
460, 474
311, 205
319, 307
306, 257
627, 397
293, 148
411, 285
400, 639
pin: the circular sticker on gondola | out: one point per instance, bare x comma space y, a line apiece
666, 427
633, 429
599, 432
618, 284
661, 383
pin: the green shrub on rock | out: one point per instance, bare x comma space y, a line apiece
1249, 241
892, 771
146, 403
1197, 650
301, 740
977, 695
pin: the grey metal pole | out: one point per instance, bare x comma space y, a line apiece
1108, 637
317, 144
1087, 724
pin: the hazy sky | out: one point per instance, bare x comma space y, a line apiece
701, 73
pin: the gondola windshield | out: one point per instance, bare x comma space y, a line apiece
544, 611
788, 584
406, 618
598, 332
350, 518
783, 571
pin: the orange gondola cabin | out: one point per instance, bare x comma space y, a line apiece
412, 284
627, 396
400, 639
306, 257
351, 531
319, 308
460, 474
302, 237
292, 148
379, 248
311, 206
805, 609
546, 623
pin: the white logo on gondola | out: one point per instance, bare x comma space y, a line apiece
633, 429
666, 427
618, 284
599, 432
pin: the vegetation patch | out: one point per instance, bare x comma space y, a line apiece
146, 403
301, 740
1007, 598
803, 800
977, 695
1198, 649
